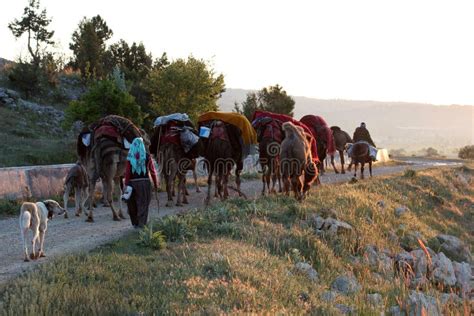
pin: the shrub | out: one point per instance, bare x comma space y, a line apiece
9, 207
409, 173
149, 238
104, 97
467, 152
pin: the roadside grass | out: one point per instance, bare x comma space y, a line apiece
239, 256
26, 142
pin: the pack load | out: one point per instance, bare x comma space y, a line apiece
320, 129
249, 137
178, 129
285, 118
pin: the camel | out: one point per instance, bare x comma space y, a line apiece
324, 139
222, 152
106, 158
341, 138
360, 153
269, 140
297, 166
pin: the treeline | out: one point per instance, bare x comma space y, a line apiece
123, 78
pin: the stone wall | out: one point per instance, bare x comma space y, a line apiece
32, 181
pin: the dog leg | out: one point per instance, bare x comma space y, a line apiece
41, 242
85, 196
33, 246
196, 181
24, 233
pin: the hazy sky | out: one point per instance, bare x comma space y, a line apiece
380, 50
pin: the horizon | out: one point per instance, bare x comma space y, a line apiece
398, 51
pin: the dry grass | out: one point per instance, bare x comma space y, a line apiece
239, 256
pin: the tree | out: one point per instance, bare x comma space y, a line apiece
187, 86
273, 99
249, 106
35, 24
89, 47
467, 152
134, 61
103, 98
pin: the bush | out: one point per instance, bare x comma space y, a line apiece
149, 238
9, 207
467, 152
104, 98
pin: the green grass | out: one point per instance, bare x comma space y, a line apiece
239, 256
9, 208
26, 142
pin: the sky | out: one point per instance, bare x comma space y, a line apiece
416, 50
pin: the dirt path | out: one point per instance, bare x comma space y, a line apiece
66, 236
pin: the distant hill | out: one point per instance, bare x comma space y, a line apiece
393, 125
4, 62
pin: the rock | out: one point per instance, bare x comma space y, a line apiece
399, 211
308, 270
443, 271
462, 272
454, 248
332, 226
381, 204
396, 311
316, 221
409, 240
419, 304
345, 284
344, 309
12, 94
329, 296
447, 298
375, 299
404, 262
379, 260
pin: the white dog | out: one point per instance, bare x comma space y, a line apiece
35, 216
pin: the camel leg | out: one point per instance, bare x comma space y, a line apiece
355, 169
120, 192
185, 199
225, 182
108, 194
362, 170
263, 182
341, 156
237, 179
334, 164
90, 215
198, 190
209, 184
77, 201
169, 182
65, 199
370, 168
85, 195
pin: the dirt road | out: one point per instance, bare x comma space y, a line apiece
66, 236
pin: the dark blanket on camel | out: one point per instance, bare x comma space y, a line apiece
320, 129
285, 118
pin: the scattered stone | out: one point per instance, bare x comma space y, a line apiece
308, 270
419, 304
443, 271
379, 260
332, 226
375, 299
399, 211
304, 297
447, 298
381, 204
454, 248
345, 284
329, 296
409, 240
396, 311
344, 309
462, 271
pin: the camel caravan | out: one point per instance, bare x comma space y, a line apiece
290, 153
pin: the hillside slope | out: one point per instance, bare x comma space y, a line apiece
336, 252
